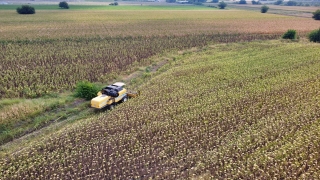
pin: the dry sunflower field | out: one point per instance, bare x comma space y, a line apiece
52, 50
228, 109
239, 111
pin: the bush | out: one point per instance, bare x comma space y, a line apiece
316, 15
242, 2
291, 3
215, 1
86, 90
64, 5
314, 36
114, 4
26, 9
264, 9
278, 2
290, 34
222, 5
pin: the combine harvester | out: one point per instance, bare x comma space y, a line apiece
111, 95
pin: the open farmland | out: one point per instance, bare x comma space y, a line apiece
237, 111
52, 50
53, 24
244, 110
299, 11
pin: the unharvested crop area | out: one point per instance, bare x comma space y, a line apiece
227, 108
36, 68
85, 23
238, 111
52, 50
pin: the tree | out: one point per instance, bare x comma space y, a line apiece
255, 2
26, 9
64, 5
222, 5
316, 15
215, 1
202, 1
290, 34
242, 2
314, 36
278, 2
291, 3
264, 9
170, 1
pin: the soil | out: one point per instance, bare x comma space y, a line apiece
136, 74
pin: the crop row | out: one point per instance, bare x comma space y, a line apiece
229, 112
31, 68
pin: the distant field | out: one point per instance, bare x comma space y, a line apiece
230, 111
292, 8
144, 21
105, 7
297, 11
52, 50
296, 8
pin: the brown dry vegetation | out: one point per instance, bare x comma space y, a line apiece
228, 111
52, 50
237, 111
57, 24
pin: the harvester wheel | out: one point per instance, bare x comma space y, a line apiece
125, 99
111, 107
